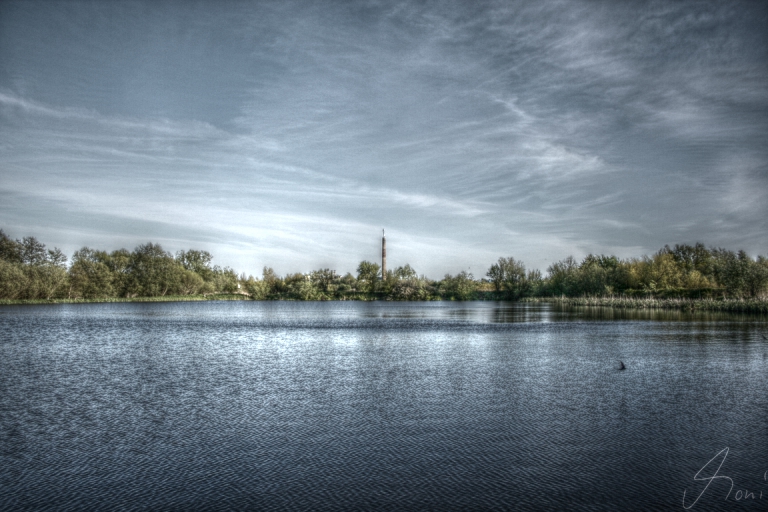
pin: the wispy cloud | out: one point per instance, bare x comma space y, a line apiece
529, 129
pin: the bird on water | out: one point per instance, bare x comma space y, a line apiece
621, 365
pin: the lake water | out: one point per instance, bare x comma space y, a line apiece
393, 406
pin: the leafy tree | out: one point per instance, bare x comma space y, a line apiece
196, 261
533, 283
563, 276
32, 251
13, 280
367, 276
89, 277
460, 287
692, 257
325, 280
257, 289
153, 271
188, 282
405, 272
347, 286
404, 284
757, 282
10, 250
119, 264
306, 290
509, 278
44, 280
300, 287
56, 257
739, 274
595, 275
225, 280
410, 289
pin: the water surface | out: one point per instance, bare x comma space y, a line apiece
350, 405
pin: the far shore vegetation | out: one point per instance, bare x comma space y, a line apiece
685, 277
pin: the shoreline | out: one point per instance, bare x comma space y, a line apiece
169, 298
752, 306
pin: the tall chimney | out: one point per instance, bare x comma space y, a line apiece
383, 256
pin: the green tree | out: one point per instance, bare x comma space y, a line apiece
509, 278
89, 277
257, 289
326, 281
225, 280
596, 275
459, 287
13, 280
272, 281
196, 261
740, 275
32, 251
347, 286
405, 272
119, 264
692, 257
10, 250
188, 282
367, 276
562, 277
153, 271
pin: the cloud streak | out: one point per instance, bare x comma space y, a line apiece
296, 132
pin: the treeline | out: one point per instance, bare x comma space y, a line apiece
29, 271
685, 271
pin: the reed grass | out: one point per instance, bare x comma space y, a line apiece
758, 306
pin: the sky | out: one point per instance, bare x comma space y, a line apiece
289, 134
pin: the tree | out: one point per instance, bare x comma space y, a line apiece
347, 285
88, 276
460, 287
257, 289
739, 274
32, 251
596, 275
10, 250
325, 280
189, 283
196, 261
44, 280
225, 280
563, 276
757, 282
13, 280
271, 281
508, 277
367, 275
533, 283
692, 257
152, 271
119, 264
405, 272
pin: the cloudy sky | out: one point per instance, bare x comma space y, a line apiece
289, 134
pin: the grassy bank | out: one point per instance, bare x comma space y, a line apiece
167, 298
758, 306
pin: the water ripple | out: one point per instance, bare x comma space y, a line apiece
262, 406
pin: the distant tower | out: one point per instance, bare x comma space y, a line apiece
383, 256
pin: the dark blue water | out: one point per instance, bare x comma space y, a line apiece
393, 406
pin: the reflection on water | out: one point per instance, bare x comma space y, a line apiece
658, 315
440, 405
